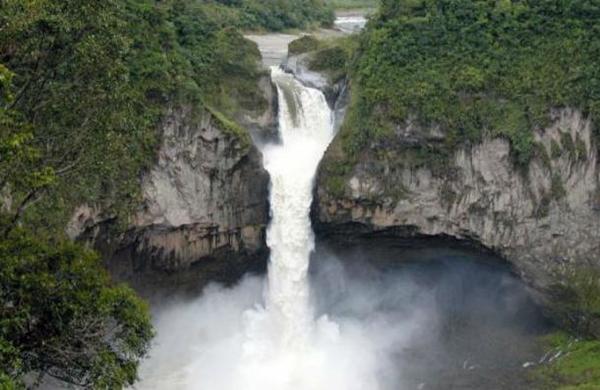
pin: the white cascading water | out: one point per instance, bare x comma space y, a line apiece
231, 342
306, 129
283, 332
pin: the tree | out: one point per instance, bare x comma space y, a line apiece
20, 174
61, 317
66, 116
72, 104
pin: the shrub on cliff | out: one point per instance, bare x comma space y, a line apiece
331, 57
303, 45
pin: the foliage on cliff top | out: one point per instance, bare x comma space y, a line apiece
473, 68
331, 56
302, 45
85, 84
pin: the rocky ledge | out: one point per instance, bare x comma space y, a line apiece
542, 219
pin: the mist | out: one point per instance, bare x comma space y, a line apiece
385, 320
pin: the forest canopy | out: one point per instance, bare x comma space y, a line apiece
474, 69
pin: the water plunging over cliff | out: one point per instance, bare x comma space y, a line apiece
306, 128
393, 327
281, 332
240, 341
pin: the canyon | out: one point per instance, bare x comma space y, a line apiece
205, 207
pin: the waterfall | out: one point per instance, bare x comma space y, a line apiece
387, 329
267, 336
282, 332
306, 128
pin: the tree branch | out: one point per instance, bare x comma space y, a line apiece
31, 198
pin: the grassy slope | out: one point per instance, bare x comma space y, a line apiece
577, 367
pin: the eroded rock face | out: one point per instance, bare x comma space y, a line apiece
262, 126
541, 220
204, 213
203, 175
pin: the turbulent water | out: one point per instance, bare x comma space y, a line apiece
282, 346
306, 128
350, 23
345, 325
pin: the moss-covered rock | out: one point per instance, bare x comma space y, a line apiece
331, 61
303, 44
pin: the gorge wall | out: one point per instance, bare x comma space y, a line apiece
541, 219
205, 206
204, 210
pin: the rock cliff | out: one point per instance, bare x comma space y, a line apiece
204, 210
541, 218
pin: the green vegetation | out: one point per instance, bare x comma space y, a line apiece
331, 61
273, 15
84, 85
230, 127
577, 301
60, 317
576, 368
303, 44
353, 4
331, 57
473, 69
573, 362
